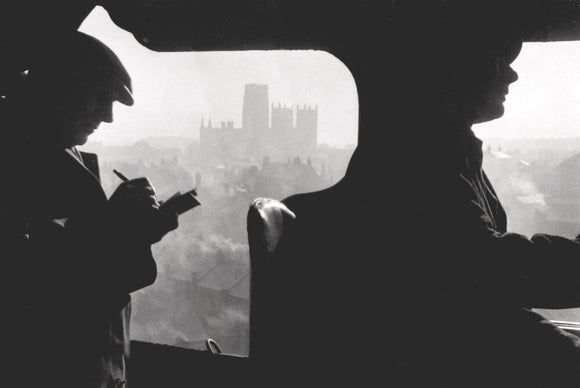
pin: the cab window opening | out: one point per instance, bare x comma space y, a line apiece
237, 126
528, 154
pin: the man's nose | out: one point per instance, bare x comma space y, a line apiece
505, 72
107, 113
512, 75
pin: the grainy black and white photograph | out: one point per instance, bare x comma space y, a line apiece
295, 193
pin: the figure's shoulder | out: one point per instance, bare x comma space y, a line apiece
315, 204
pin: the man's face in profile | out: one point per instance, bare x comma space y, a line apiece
488, 103
82, 111
491, 78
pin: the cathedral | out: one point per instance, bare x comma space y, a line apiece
267, 131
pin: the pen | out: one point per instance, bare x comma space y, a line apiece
121, 176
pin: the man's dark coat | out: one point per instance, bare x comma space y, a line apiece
404, 272
80, 264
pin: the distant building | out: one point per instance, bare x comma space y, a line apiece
283, 138
281, 179
536, 198
562, 192
222, 295
163, 313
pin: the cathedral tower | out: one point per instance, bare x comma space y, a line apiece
255, 111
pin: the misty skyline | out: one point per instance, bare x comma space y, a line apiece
174, 91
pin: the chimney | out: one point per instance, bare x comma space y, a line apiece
198, 180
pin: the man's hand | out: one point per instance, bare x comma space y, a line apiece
135, 205
136, 193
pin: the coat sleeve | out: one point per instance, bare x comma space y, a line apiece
472, 257
89, 257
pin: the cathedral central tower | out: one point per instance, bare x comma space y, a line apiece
255, 111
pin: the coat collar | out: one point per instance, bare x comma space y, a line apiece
79, 160
84, 173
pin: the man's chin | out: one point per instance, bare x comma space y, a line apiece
489, 114
81, 139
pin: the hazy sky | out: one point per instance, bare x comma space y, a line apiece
545, 101
173, 91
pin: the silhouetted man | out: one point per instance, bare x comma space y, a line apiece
85, 253
404, 272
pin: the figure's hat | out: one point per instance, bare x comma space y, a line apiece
78, 58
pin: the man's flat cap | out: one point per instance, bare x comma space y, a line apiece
78, 58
